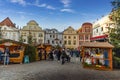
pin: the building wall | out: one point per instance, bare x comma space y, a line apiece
85, 33
53, 37
32, 28
101, 26
70, 38
9, 33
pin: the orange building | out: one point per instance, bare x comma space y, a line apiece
85, 33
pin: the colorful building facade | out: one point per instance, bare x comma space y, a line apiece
34, 30
70, 38
53, 37
101, 28
85, 33
8, 30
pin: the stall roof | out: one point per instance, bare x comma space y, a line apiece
12, 41
97, 44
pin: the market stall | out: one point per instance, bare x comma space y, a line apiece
44, 48
16, 50
97, 55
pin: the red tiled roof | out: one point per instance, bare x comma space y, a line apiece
7, 22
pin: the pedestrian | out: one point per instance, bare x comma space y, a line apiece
0, 56
6, 56
81, 56
45, 54
58, 55
68, 55
40, 54
63, 56
51, 55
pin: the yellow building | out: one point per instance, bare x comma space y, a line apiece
32, 28
70, 38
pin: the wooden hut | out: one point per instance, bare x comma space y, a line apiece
16, 50
43, 47
97, 55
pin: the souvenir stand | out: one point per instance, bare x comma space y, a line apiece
16, 50
97, 55
43, 47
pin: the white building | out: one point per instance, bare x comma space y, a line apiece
53, 37
8, 30
100, 28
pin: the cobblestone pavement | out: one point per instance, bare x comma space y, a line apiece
53, 70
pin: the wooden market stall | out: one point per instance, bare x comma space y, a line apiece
97, 55
43, 48
16, 50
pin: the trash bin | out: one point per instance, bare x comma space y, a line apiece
26, 59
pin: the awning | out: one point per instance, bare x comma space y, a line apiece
99, 37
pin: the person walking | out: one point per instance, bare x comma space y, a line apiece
63, 56
45, 54
51, 55
58, 55
6, 56
40, 54
0, 56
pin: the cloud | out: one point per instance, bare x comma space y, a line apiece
40, 5
22, 2
44, 5
67, 10
50, 7
66, 2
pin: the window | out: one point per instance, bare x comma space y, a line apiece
52, 42
74, 37
50, 36
86, 37
65, 37
81, 37
87, 29
60, 42
69, 42
53, 31
74, 42
53, 36
5, 28
96, 30
40, 35
101, 28
65, 42
69, 37
24, 40
48, 41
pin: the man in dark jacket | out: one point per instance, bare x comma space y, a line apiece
63, 56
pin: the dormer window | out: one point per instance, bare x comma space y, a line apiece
5, 28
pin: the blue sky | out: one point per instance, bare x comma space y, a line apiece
57, 14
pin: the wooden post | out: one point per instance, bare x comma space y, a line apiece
110, 59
